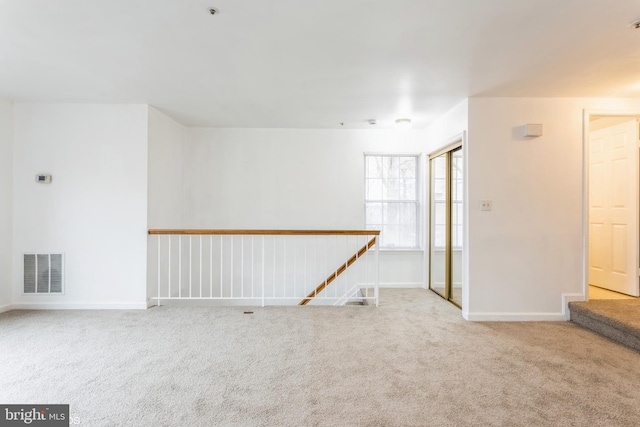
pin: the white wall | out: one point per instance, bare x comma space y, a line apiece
449, 125
165, 171
290, 179
6, 175
164, 187
95, 210
526, 253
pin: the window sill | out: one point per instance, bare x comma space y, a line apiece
390, 250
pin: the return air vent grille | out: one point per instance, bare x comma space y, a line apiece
43, 273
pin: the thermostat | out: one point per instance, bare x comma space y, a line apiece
43, 179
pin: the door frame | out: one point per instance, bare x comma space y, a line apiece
586, 116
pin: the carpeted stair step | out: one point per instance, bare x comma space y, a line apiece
618, 320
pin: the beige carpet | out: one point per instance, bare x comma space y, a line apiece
625, 312
618, 319
410, 362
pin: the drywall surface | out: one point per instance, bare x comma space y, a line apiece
447, 127
165, 171
527, 252
164, 187
6, 202
95, 209
291, 179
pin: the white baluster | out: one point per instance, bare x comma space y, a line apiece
263, 270
376, 272
159, 239
210, 265
232, 266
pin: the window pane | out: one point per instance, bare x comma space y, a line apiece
373, 213
391, 213
408, 237
391, 189
390, 167
391, 199
408, 167
408, 214
374, 189
390, 236
408, 189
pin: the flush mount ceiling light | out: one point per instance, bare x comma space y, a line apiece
634, 24
403, 123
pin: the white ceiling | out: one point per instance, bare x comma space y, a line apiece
314, 64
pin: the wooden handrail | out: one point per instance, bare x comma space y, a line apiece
271, 232
333, 276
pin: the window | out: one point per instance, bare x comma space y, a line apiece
391, 199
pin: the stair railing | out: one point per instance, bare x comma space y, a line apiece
263, 267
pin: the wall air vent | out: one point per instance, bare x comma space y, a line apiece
43, 273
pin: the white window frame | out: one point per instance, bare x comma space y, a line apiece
417, 202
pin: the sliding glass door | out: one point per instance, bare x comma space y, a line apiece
445, 249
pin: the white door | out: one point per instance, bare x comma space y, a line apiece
613, 208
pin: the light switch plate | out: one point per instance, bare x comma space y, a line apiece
486, 205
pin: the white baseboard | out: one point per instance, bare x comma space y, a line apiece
5, 308
79, 306
402, 285
566, 299
528, 317
515, 317
255, 302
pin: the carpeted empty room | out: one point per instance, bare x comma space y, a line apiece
413, 361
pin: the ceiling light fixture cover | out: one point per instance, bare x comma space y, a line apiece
403, 123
